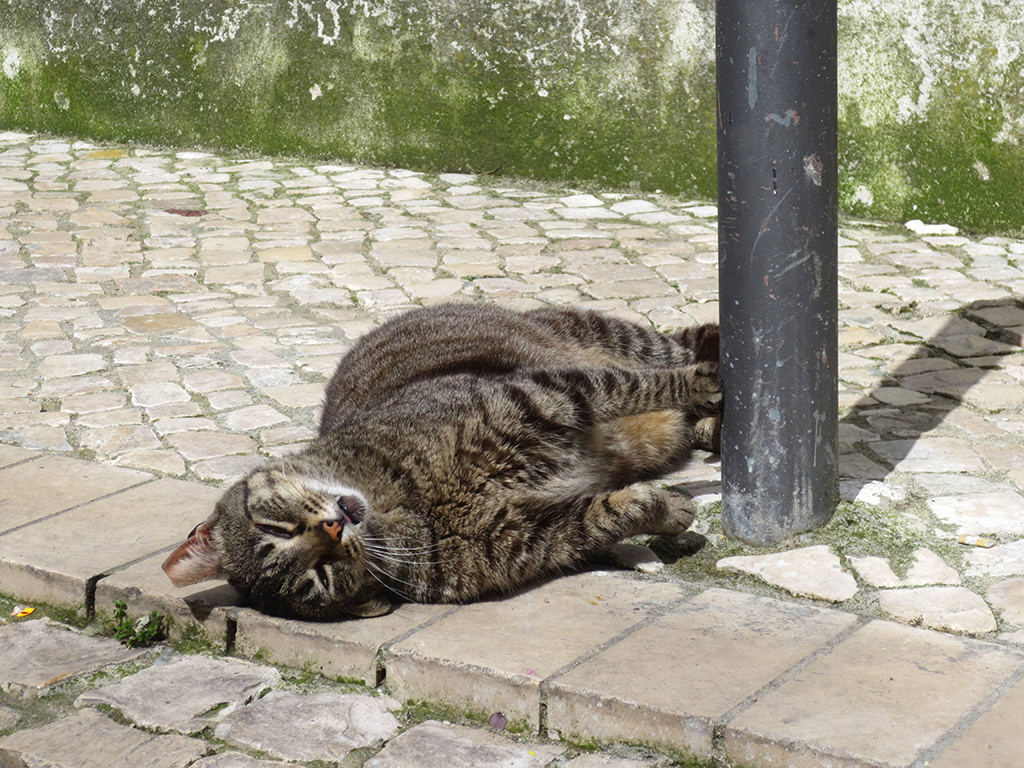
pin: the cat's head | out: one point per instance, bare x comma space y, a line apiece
289, 541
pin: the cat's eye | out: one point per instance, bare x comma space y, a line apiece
275, 530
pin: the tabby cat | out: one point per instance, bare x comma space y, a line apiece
466, 449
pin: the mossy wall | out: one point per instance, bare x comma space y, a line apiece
615, 92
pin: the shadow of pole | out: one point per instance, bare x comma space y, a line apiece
954, 360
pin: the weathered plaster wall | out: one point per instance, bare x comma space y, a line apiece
614, 91
932, 110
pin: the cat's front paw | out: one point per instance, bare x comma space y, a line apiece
705, 389
679, 514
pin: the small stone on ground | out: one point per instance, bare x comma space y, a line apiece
950, 609
332, 725
176, 696
808, 572
1007, 597
440, 745
928, 569
999, 561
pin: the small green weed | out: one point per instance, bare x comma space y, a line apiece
135, 633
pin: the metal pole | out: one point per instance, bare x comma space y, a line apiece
777, 213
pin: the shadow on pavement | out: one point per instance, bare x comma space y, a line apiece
956, 362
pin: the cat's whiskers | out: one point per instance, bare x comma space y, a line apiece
387, 557
389, 581
382, 543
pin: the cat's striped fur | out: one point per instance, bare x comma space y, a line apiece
463, 450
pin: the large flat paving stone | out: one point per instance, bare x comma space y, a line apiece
178, 696
995, 740
87, 739
493, 656
144, 587
880, 697
346, 649
10, 454
50, 484
320, 726
441, 745
933, 454
668, 683
53, 560
37, 654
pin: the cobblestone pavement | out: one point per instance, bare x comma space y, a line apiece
175, 314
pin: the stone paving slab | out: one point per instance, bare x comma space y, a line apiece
54, 559
994, 740
606, 761
439, 745
332, 725
35, 655
9, 454
90, 740
806, 571
347, 649
955, 609
670, 682
492, 656
881, 697
185, 694
237, 760
51, 484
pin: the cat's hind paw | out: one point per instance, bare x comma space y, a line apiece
707, 434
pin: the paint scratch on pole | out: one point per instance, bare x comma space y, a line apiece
752, 77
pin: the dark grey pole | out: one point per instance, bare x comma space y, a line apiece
777, 265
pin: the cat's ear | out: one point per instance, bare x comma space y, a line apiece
373, 606
198, 559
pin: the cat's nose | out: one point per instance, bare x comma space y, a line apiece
333, 529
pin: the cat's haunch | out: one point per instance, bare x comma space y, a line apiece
463, 450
